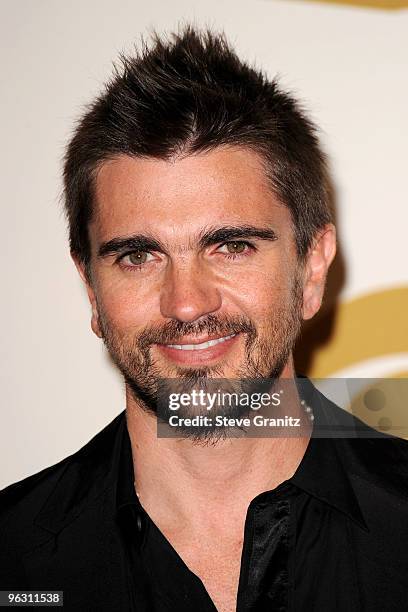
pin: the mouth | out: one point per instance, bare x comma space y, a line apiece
198, 352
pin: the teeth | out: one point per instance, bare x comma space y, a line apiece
198, 347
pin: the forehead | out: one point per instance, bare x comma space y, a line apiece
225, 185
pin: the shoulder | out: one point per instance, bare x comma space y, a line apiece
30, 491
381, 460
19, 504
34, 509
376, 465
378, 459
366, 451
378, 470
22, 500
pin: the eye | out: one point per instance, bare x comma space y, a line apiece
135, 259
237, 248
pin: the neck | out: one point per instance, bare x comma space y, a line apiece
183, 482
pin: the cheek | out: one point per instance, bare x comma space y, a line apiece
124, 305
261, 295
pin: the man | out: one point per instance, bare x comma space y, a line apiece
198, 208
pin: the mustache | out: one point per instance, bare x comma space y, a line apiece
172, 331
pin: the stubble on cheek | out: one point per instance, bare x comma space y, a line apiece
268, 342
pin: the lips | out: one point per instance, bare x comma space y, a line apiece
201, 345
200, 352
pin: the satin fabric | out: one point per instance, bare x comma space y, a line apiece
297, 554
332, 537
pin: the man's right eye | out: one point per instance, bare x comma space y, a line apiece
134, 259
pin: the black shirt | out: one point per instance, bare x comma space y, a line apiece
297, 550
334, 537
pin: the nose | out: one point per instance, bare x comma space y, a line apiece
188, 293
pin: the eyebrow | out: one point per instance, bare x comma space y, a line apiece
206, 238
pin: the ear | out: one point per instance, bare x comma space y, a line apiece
80, 266
317, 264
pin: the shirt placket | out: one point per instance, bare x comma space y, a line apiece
265, 582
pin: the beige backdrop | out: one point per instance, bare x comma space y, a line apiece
349, 66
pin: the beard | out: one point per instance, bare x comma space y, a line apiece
151, 383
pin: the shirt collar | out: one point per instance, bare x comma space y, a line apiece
125, 490
322, 472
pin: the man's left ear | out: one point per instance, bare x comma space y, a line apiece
317, 263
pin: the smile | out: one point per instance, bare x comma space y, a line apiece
200, 353
201, 346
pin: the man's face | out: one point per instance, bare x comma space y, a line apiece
188, 251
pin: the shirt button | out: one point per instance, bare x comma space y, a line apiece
139, 523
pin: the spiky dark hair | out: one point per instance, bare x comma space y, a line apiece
187, 94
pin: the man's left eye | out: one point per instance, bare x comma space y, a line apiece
235, 247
